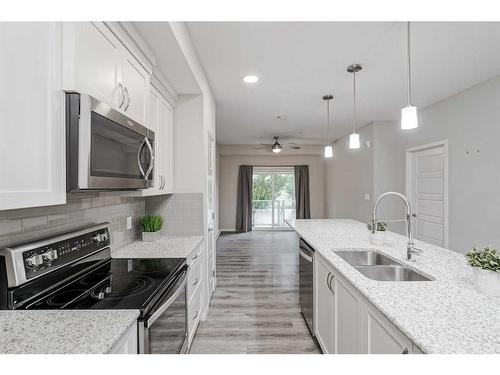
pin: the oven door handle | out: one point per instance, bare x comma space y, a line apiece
169, 301
305, 256
139, 157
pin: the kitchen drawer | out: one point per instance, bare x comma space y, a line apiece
194, 279
194, 256
194, 314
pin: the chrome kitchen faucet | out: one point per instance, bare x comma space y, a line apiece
410, 246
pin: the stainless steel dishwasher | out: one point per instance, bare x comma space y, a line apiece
306, 258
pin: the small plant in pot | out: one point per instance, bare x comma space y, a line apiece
151, 226
379, 237
486, 267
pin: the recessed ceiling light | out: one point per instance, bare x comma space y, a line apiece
250, 78
281, 117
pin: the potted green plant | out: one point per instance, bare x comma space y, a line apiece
151, 226
378, 238
486, 267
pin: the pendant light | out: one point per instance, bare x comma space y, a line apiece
409, 118
329, 146
354, 137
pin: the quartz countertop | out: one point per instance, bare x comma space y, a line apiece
445, 315
63, 331
166, 247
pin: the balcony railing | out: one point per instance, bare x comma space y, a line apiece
262, 213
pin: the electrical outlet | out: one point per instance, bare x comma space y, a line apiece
129, 222
367, 197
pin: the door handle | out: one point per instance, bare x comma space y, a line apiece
128, 99
122, 95
330, 284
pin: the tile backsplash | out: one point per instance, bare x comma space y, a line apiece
28, 223
182, 213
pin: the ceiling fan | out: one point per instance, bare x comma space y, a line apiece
276, 147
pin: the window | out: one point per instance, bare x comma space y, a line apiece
273, 197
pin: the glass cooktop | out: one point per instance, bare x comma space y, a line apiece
117, 284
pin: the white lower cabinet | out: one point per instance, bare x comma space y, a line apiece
324, 309
127, 344
381, 337
346, 322
194, 293
348, 318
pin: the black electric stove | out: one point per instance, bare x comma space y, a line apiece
75, 271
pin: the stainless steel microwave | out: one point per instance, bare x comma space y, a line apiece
105, 150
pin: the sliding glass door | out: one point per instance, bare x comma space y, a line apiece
273, 197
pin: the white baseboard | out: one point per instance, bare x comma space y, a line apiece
227, 230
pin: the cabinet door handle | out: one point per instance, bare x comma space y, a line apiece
196, 257
196, 282
330, 284
122, 95
328, 280
128, 99
405, 351
196, 315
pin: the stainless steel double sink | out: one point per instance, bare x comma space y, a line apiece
377, 266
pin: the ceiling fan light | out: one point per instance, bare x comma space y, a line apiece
354, 141
409, 117
328, 151
276, 148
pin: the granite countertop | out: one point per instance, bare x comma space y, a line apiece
445, 315
63, 331
166, 247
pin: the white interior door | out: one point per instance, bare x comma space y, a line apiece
428, 192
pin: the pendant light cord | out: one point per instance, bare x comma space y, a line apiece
328, 121
408, 60
354, 102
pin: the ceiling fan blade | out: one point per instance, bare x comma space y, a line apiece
261, 148
293, 147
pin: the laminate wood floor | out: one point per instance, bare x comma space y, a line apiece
254, 308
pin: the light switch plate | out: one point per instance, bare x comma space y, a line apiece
367, 197
129, 222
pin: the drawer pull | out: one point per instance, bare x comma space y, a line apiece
196, 315
196, 257
196, 282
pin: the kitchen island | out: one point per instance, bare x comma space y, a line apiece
444, 315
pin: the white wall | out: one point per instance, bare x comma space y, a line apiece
228, 166
349, 176
470, 122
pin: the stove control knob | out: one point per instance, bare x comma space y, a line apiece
49, 255
97, 238
100, 295
107, 290
33, 261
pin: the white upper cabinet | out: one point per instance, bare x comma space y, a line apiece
135, 81
32, 154
165, 146
98, 64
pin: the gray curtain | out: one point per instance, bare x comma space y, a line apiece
302, 203
244, 203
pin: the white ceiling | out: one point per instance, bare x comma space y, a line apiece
298, 62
